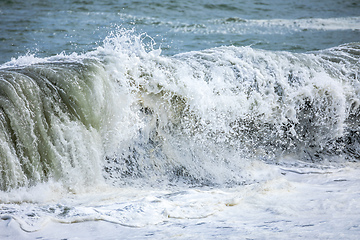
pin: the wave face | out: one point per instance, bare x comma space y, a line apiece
124, 113
50, 116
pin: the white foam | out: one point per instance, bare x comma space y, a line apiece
169, 122
321, 204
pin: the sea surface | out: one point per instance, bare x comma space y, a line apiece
179, 119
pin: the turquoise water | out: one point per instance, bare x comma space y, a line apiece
47, 28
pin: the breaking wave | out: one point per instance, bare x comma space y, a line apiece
124, 113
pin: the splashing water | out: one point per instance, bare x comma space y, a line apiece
201, 117
214, 125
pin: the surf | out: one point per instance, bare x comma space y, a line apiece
124, 114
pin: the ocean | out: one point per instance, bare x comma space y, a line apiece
179, 119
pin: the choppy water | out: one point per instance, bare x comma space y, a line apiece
49, 28
142, 119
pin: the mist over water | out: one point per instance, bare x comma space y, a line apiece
179, 114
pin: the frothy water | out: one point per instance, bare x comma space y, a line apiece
228, 141
201, 117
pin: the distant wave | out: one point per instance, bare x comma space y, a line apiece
246, 26
269, 26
